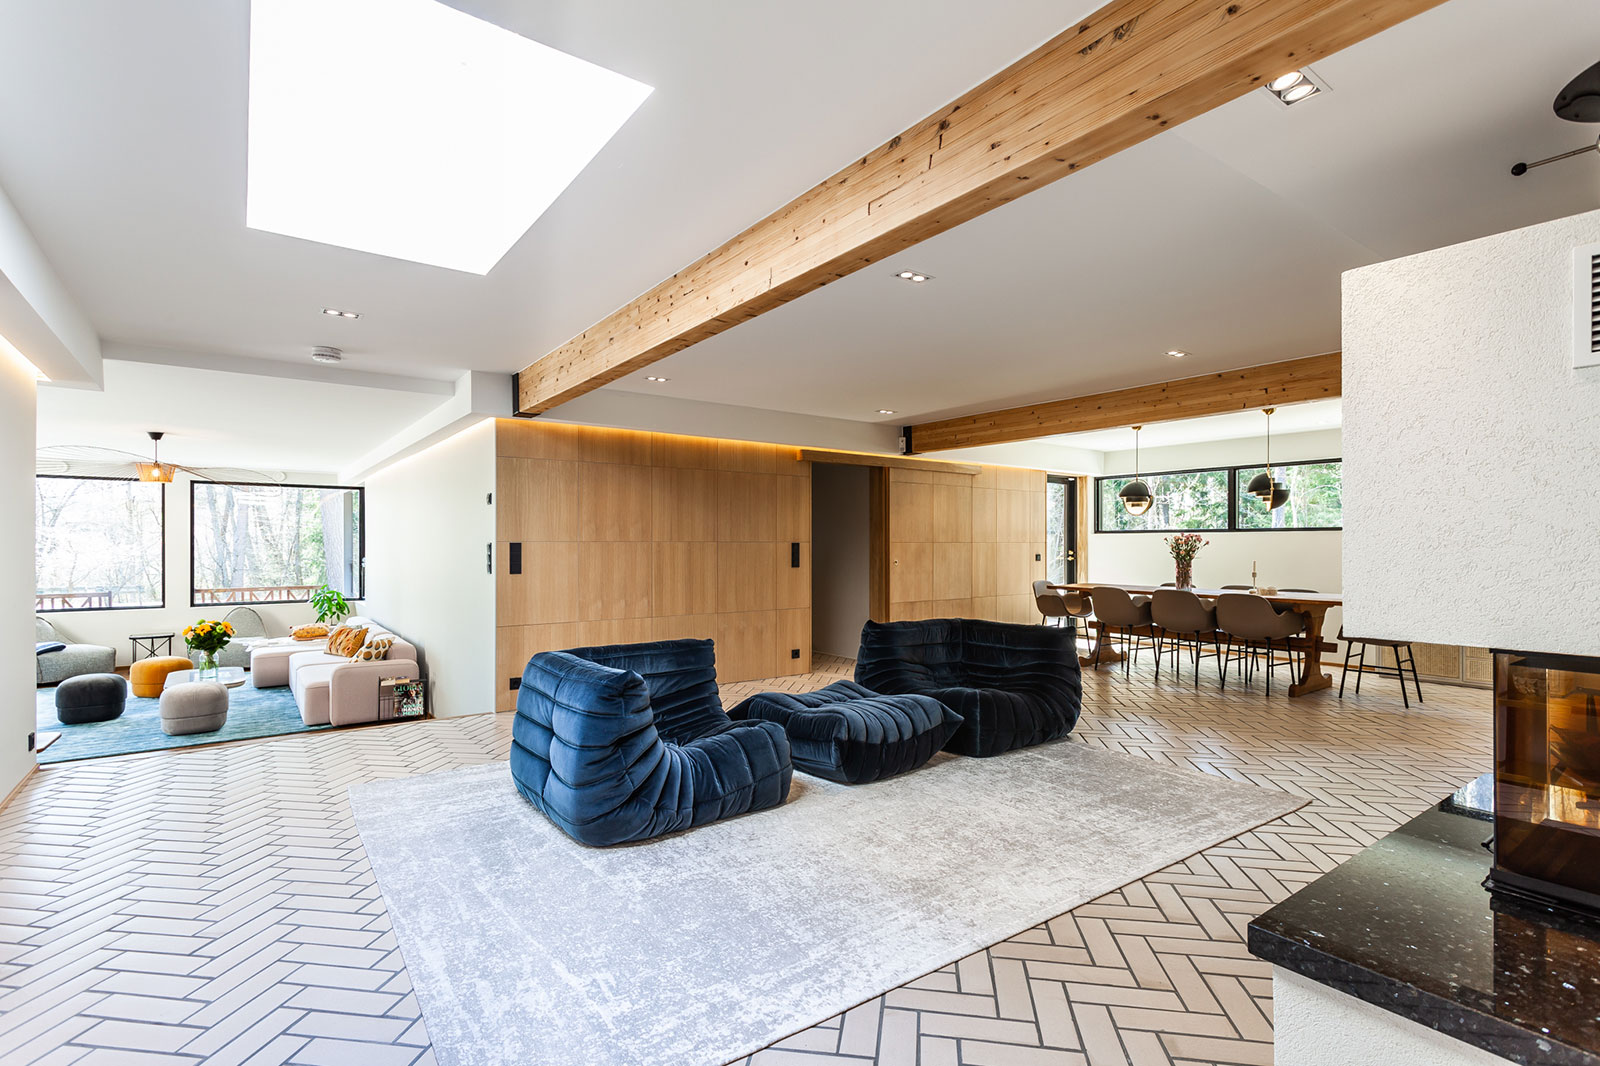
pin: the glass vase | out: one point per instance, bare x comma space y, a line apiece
1185, 578
208, 662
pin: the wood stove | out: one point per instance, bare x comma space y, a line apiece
1547, 781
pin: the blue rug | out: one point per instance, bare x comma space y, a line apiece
252, 712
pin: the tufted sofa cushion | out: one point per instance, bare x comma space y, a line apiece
848, 734
1013, 685
588, 751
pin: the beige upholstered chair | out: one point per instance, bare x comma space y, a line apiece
1122, 615
1252, 622
1184, 622
1050, 604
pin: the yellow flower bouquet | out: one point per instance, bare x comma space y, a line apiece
208, 638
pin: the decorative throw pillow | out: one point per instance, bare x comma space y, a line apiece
346, 640
373, 650
310, 631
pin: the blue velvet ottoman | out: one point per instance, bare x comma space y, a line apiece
851, 734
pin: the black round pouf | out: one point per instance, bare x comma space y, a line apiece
90, 698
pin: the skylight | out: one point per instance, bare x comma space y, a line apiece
409, 129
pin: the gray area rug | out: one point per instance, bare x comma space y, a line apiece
701, 948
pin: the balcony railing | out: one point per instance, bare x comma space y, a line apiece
256, 594
72, 601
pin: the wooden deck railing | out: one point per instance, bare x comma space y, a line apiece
72, 601
256, 594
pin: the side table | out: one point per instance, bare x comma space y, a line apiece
152, 644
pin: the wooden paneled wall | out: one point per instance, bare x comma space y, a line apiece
962, 545
630, 536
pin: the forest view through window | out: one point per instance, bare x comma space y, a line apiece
275, 543
98, 543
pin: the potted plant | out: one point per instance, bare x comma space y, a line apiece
208, 638
1184, 547
329, 605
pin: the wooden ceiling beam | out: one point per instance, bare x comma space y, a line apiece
1114, 79
1272, 384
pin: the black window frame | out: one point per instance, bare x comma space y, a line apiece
1233, 525
361, 535
135, 607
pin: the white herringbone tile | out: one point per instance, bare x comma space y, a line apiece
215, 905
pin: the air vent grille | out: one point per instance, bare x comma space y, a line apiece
1594, 303
1586, 307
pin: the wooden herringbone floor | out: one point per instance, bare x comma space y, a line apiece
215, 905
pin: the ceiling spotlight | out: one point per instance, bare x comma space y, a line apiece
323, 354
885, 411
652, 377
913, 277
334, 312
1177, 353
1295, 86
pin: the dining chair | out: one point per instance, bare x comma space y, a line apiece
1183, 621
1081, 610
1399, 668
1121, 614
1051, 604
1254, 622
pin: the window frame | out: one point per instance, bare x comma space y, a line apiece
1233, 525
139, 607
361, 535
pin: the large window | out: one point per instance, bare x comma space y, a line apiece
1215, 501
1184, 499
275, 543
1315, 497
1058, 523
99, 543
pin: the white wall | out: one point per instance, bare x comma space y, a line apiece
841, 557
1287, 558
429, 526
113, 628
17, 405
1472, 448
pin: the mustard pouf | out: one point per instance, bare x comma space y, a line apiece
149, 676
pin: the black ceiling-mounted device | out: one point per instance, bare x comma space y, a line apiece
1579, 101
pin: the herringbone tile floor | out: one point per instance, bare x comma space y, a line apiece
215, 905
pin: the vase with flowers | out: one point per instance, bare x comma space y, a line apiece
208, 638
1184, 547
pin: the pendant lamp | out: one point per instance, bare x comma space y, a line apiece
1264, 486
156, 470
1136, 496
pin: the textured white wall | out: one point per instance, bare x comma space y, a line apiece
1313, 1025
429, 525
1472, 448
17, 406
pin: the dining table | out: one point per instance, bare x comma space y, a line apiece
1314, 605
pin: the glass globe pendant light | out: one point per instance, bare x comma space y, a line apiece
1264, 486
1136, 496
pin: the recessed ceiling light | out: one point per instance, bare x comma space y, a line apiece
336, 313
1295, 86
652, 377
884, 411
409, 129
1177, 353
324, 354
914, 277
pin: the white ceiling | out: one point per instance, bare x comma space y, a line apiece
220, 418
1236, 425
1225, 237
122, 141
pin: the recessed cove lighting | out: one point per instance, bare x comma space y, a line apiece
21, 360
336, 313
410, 129
1295, 86
653, 377
913, 277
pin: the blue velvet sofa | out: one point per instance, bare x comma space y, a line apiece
629, 741
1012, 685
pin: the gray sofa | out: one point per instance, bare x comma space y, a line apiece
55, 667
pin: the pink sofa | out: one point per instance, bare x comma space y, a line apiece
333, 689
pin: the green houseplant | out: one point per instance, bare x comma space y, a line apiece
329, 605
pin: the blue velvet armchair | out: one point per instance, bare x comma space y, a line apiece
628, 742
1013, 685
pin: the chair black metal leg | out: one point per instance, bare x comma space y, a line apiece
1411, 657
1346, 671
1269, 666
1400, 676
1361, 668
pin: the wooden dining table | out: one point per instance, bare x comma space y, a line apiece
1314, 605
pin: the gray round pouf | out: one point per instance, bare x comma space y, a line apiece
194, 707
90, 698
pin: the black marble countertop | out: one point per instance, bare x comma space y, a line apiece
1407, 925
